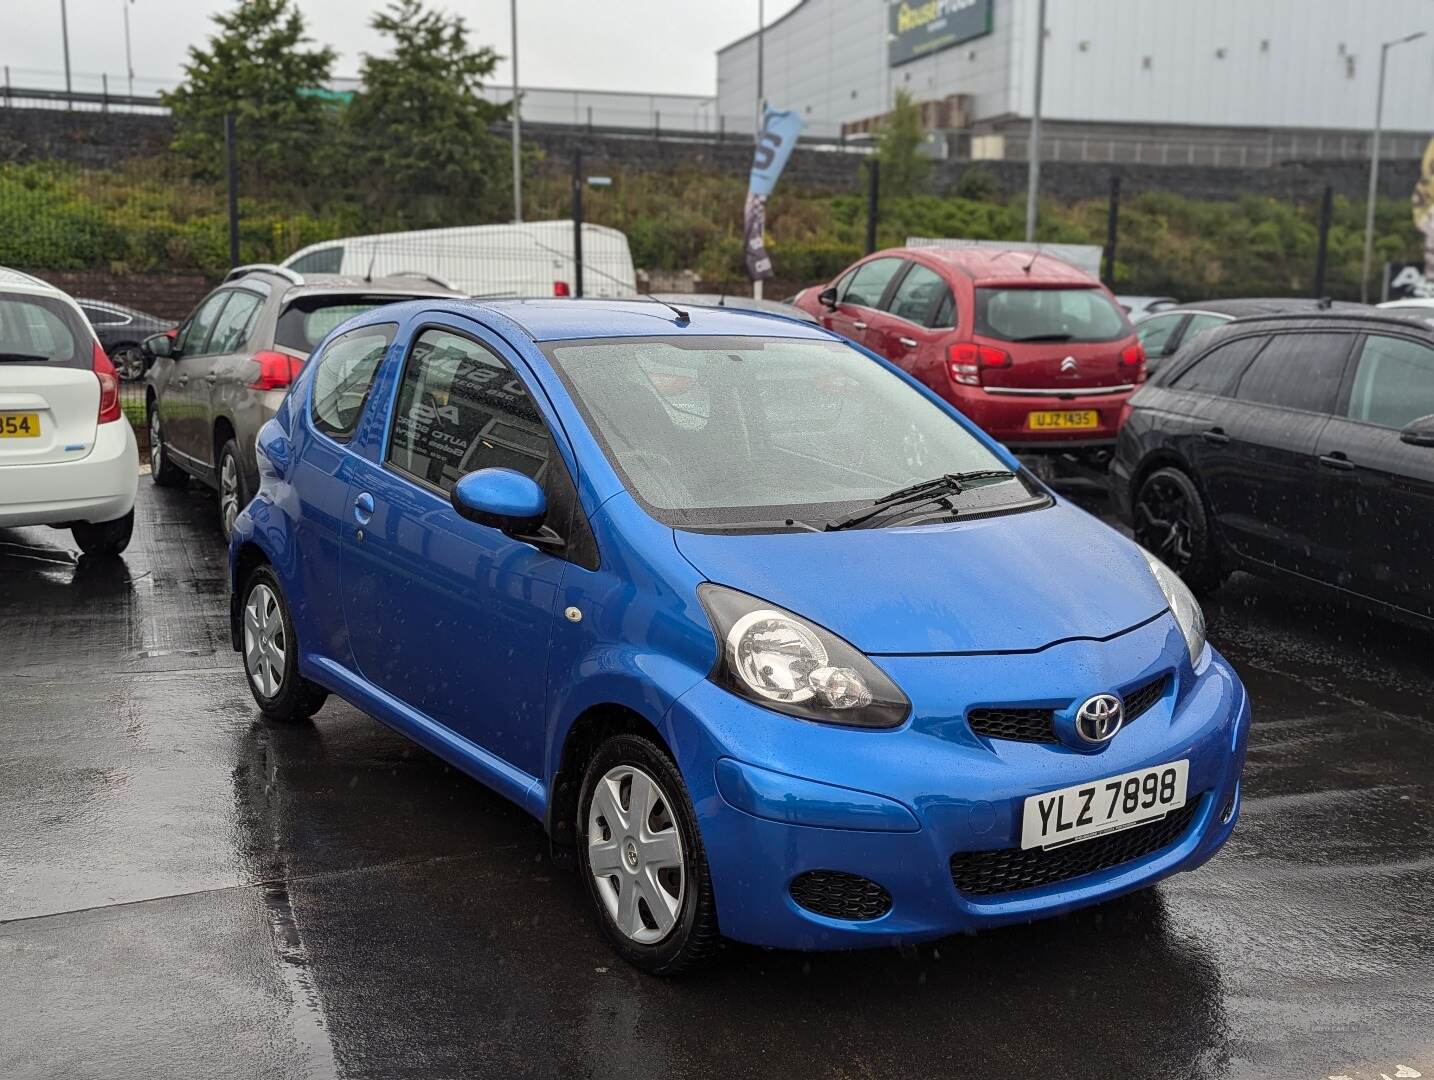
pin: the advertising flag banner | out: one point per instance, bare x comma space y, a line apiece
774, 148
1424, 209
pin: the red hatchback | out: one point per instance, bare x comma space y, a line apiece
1033, 350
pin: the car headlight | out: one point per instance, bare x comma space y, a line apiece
781, 661
1183, 605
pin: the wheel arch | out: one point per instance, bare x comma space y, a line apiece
224, 430
248, 557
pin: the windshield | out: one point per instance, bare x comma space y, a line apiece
1049, 315
43, 330
309, 319
727, 430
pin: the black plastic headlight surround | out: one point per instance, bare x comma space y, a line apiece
787, 664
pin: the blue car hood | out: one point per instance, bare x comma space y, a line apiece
1004, 584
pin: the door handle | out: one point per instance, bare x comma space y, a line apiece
1216, 436
211, 378
181, 380
363, 508
910, 343
1337, 460
859, 325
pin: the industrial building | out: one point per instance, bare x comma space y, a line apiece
1235, 82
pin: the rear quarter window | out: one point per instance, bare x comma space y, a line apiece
43, 330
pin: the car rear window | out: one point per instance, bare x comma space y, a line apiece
1083, 314
307, 320
43, 330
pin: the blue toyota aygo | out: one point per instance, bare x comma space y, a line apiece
777, 645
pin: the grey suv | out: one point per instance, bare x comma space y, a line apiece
218, 378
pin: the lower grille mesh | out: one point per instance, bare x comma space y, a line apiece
982, 873
840, 896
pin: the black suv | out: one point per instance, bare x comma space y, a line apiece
216, 381
1294, 444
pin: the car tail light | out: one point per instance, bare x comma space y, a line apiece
276, 370
560, 288
968, 360
109, 387
1132, 360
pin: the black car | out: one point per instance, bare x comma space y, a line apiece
120, 330
1293, 444
1165, 332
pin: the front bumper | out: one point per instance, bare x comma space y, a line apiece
96, 488
776, 800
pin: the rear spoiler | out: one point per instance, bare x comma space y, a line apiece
292, 277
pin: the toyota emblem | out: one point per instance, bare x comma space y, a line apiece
1099, 718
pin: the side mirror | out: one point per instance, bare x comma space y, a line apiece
1419, 433
828, 298
157, 346
502, 498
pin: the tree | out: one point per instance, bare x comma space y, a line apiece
419, 126
898, 148
258, 68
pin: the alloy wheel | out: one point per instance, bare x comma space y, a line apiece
264, 642
1163, 522
129, 363
635, 854
228, 492
156, 443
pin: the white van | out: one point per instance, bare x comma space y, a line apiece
531, 259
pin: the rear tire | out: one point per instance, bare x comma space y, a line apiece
632, 861
1172, 522
104, 540
233, 488
162, 470
128, 361
271, 652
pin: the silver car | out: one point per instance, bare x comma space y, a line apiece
217, 379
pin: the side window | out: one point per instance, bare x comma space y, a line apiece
918, 294
1216, 371
1394, 383
232, 326
345, 376
843, 285
945, 317
1297, 371
870, 281
196, 334
329, 260
1200, 323
1155, 332
460, 408
99, 316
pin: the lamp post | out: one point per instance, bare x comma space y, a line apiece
65, 35
516, 129
1033, 168
1374, 163
128, 59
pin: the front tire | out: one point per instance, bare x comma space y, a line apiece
271, 652
104, 540
162, 470
233, 488
1172, 521
642, 858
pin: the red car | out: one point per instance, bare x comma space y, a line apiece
1033, 350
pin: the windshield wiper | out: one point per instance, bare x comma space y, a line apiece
935, 490
21, 358
732, 526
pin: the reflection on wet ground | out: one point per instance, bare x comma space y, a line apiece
187, 890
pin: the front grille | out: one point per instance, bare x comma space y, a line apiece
1036, 725
840, 896
982, 873
1140, 700
1018, 725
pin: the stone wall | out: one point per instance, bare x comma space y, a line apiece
169, 296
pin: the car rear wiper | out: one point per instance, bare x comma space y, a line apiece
939, 488
1045, 337
21, 358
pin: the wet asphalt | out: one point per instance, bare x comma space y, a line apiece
187, 890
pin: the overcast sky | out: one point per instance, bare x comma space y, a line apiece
656, 45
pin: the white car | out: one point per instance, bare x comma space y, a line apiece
68, 457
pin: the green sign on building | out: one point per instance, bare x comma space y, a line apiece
921, 27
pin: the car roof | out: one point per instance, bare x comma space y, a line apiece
20, 281
736, 303
1355, 317
991, 266
1242, 307
564, 319
398, 286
